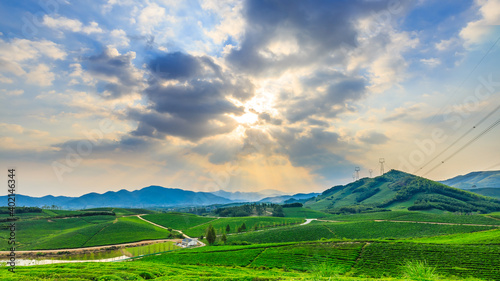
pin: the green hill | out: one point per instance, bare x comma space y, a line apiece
397, 190
485, 179
492, 192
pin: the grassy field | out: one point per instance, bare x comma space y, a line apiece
196, 226
418, 216
65, 233
299, 212
179, 221
300, 261
353, 230
250, 222
354, 248
126, 229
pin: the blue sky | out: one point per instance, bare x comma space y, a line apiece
243, 95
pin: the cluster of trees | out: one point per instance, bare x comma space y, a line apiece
437, 201
247, 210
211, 233
439, 196
355, 209
293, 205
367, 194
21, 210
277, 211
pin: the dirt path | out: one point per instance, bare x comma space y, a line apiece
91, 249
308, 221
443, 223
183, 234
103, 248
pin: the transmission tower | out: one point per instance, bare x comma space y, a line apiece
381, 161
370, 171
357, 169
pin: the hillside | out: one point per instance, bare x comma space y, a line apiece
239, 196
486, 179
286, 198
397, 190
152, 196
491, 192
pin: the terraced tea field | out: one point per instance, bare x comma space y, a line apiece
354, 230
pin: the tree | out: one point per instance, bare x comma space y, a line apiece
211, 236
278, 211
243, 227
224, 238
228, 228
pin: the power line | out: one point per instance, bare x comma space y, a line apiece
465, 145
460, 138
466, 78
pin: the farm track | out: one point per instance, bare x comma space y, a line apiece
261, 252
157, 225
147, 242
104, 227
83, 249
493, 218
361, 252
442, 223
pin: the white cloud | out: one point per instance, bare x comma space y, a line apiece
19, 50
476, 31
13, 92
5, 80
432, 62
40, 75
382, 57
445, 45
20, 55
92, 28
231, 21
119, 38
150, 17
62, 23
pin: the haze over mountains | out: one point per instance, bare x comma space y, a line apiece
486, 183
394, 189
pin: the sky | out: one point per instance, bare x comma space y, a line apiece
204, 95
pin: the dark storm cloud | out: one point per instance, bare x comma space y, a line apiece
157, 125
176, 66
195, 108
340, 89
373, 138
321, 151
318, 27
113, 67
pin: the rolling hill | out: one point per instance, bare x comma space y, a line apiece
486, 179
152, 196
397, 190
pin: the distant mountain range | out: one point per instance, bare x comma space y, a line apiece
152, 196
398, 190
486, 183
289, 198
248, 196
393, 190
487, 179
